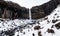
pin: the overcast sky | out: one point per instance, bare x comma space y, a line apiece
29, 3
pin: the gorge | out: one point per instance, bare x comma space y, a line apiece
15, 11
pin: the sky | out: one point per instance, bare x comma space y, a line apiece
29, 3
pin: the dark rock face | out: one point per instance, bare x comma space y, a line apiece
44, 9
11, 10
6, 14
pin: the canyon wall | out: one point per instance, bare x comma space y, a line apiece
11, 10
44, 9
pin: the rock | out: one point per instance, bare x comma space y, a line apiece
48, 21
57, 0
45, 18
39, 33
50, 31
33, 34
37, 27
57, 25
44, 9
52, 26
23, 32
11, 10
54, 21
37, 14
17, 10
55, 13
1, 0
7, 14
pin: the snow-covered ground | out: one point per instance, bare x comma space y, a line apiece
19, 27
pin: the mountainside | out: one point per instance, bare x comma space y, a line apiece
44, 9
48, 26
11, 10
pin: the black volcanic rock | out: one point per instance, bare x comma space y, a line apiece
44, 9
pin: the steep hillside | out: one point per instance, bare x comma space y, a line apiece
44, 9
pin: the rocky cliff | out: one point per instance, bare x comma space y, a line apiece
44, 9
11, 10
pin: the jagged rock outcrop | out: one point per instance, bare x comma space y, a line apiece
44, 9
